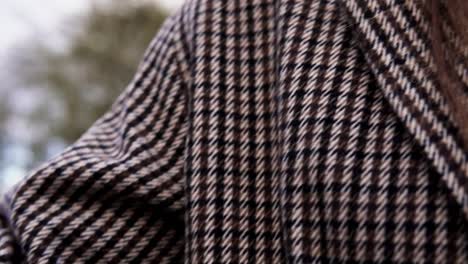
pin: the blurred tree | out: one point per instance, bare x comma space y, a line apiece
78, 83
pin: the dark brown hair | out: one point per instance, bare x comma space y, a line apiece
449, 27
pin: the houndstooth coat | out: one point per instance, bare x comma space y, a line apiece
262, 131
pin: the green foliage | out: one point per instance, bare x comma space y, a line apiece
79, 83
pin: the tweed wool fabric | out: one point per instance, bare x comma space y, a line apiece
8, 246
262, 131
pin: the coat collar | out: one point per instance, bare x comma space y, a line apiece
394, 35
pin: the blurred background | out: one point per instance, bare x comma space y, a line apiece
62, 64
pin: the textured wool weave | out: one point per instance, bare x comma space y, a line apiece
261, 131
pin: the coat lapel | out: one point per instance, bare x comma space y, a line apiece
395, 39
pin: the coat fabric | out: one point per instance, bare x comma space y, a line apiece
262, 131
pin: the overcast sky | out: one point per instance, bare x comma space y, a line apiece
21, 18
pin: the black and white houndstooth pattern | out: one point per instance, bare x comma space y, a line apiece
262, 131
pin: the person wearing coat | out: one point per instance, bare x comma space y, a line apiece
261, 131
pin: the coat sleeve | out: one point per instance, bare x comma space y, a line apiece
116, 194
10, 251
7, 242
